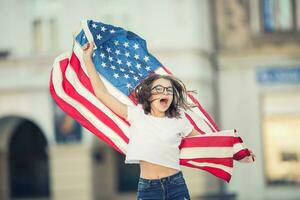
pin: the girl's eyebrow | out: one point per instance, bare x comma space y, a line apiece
162, 86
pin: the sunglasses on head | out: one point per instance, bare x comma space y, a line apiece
159, 89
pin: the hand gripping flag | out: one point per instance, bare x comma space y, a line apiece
122, 61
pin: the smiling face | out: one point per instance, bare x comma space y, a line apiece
161, 96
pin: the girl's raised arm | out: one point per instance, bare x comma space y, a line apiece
99, 88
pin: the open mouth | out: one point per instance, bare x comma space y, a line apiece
163, 102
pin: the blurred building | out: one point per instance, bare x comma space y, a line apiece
44, 154
258, 47
241, 56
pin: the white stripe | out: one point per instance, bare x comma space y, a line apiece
73, 79
86, 30
238, 147
199, 121
227, 133
206, 164
205, 152
57, 81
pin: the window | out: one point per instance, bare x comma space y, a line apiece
275, 17
278, 15
67, 130
37, 35
44, 35
281, 136
127, 175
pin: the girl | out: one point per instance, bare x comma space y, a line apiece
157, 127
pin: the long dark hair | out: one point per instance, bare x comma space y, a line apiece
143, 94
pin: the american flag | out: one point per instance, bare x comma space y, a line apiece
122, 60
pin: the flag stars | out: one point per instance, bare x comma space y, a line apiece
117, 52
116, 42
128, 85
116, 75
102, 55
122, 69
140, 74
103, 29
119, 61
108, 49
94, 25
135, 46
138, 65
146, 58
126, 44
128, 64
148, 68
103, 64
94, 54
112, 31
132, 72
113, 67
136, 56
135, 78
110, 59
98, 37
127, 54
126, 76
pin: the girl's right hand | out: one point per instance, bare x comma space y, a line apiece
87, 51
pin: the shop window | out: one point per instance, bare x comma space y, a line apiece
281, 136
127, 175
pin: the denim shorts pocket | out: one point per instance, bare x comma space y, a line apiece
142, 185
178, 181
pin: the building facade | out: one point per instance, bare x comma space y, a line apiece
43, 153
259, 92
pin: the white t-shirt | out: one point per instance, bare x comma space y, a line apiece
155, 139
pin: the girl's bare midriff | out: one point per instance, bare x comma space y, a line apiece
154, 171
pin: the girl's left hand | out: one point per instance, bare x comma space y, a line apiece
252, 155
88, 51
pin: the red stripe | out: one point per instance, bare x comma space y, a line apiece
84, 79
209, 141
211, 128
222, 161
215, 171
204, 112
166, 70
70, 90
92, 108
237, 140
194, 124
241, 154
71, 111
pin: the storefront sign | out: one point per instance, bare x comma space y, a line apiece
279, 75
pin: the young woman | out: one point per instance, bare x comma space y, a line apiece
157, 127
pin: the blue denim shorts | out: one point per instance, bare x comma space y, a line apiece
167, 188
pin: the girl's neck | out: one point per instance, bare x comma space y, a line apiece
157, 113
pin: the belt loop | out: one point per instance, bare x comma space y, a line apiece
169, 178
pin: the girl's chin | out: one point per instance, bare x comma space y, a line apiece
163, 108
